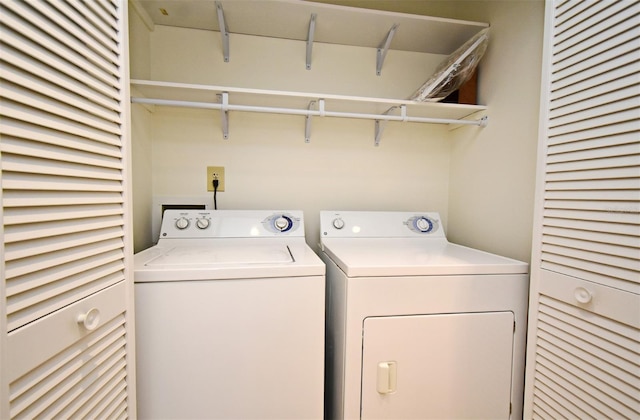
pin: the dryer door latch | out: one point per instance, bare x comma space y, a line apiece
387, 377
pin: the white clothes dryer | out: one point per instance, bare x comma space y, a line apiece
418, 327
230, 318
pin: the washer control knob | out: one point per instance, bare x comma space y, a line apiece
338, 223
203, 223
182, 223
283, 223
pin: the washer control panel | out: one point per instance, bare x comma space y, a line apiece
281, 223
380, 224
182, 224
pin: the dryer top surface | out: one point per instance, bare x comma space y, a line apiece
376, 257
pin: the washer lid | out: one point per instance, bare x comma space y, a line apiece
219, 259
192, 255
384, 257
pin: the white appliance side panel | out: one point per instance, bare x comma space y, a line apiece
335, 336
443, 366
231, 348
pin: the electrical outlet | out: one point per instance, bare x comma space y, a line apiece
215, 172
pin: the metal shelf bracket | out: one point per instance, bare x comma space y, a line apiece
224, 115
307, 124
224, 32
380, 124
384, 48
312, 30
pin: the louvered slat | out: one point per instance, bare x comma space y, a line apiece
88, 29
597, 132
628, 218
18, 51
69, 381
61, 93
545, 411
30, 165
628, 139
593, 95
597, 237
20, 199
77, 280
59, 138
584, 344
626, 118
568, 13
598, 159
592, 155
46, 26
606, 22
597, 367
48, 244
627, 253
58, 402
112, 392
97, 12
62, 147
52, 260
62, 52
563, 258
23, 391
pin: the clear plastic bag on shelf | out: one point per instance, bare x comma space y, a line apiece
454, 71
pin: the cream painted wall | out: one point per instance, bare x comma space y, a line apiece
141, 123
279, 64
481, 181
492, 172
492, 175
267, 163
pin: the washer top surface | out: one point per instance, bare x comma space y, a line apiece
226, 244
375, 244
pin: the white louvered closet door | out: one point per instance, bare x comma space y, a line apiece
583, 357
66, 345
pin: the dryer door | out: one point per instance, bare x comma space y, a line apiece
437, 366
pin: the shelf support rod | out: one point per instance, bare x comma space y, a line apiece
383, 48
307, 124
224, 32
321, 112
224, 115
312, 30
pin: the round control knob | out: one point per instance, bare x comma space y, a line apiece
423, 224
282, 223
182, 223
202, 223
338, 223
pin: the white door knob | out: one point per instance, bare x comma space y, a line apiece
582, 295
89, 320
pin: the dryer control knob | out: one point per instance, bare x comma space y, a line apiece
203, 223
338, 223
182, 223
424, 225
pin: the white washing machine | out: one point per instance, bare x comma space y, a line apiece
230, 318
418, 327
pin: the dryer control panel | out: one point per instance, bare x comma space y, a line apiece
380, 224
183, 224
